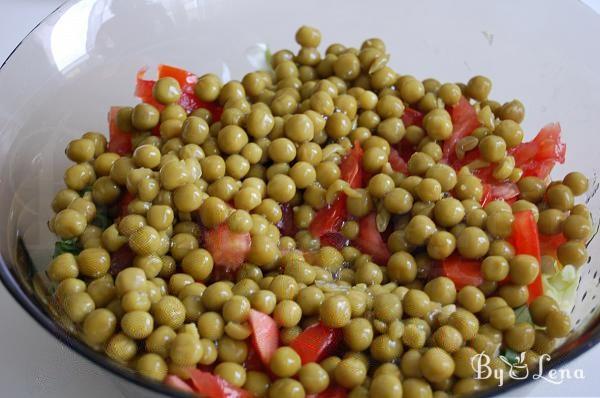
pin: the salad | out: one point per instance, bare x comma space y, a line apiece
326, 227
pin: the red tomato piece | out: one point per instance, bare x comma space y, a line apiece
464, 120
333, 391
406, 150
265, 335
549, 244
143, 87
184, 77
177, 383
188, 99
143, 90
525, 237
124, 203
538, 157
210, 385
253, 360
334, 239
525, 240
189, 102
286, 225
121, 259
227, 248
506, 191
462, 271
329, 218
119, 141
538, 169
397, 162
316, 342
370, 241
351, 167
412, 117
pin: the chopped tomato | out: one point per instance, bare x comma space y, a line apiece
228, 249
333, 391
506, 191
370, 241
316, 342
127, 198
351, 166
462, 271
405, 150
143, 87
121, 259
188, 99
397, 162
177, 383
525, 240
334, 239
184, 77
329, 218
286, 225
120, 141
549, 244
538, 157
253, 360
412, 117
265, 335
464, 121
143, 90
210, 385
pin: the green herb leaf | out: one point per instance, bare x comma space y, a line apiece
102, 220
84, 190
66, 246
522, 314
511, 356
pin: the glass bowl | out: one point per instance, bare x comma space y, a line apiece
63, 77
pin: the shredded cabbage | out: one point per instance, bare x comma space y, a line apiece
259, 56
562, 286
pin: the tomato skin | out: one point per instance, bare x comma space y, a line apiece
183, 77
464, 121
143, 87
525, 239
177, 383
506, 191
286, 225
330, 218
397, 162
188, 99
333, 391
210, 385
121, 259
227, 248
412, 117
549, 244
316, 342
351, 167
119, 141
265, 335
538, 157
127, 198
334, 239
462, 271
370, 241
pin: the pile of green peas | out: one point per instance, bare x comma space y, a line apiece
280, 140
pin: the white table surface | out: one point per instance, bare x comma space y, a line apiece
33, 364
